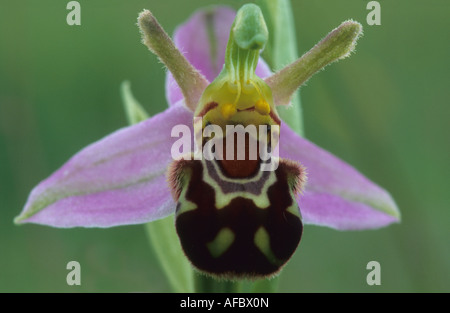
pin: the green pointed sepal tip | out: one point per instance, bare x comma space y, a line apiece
133, 109
337, 45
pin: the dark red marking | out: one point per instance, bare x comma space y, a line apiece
274, 117
240, 168
207, 108
248, 109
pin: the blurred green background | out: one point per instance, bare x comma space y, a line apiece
385, 110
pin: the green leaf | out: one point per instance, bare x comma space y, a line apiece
164, 241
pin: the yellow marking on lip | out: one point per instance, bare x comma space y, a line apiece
262, 107
228, 110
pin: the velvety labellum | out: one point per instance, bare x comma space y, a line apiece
237, 227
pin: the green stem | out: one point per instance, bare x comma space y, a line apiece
204, 284
233, 286
266, 285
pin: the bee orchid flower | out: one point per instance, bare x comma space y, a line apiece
232, 219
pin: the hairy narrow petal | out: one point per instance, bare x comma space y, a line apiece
337, 45
203, 40
191, 82
117, 180
336, 194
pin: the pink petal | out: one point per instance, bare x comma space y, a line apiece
336, 194
326, 209
194, 39
117, 180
